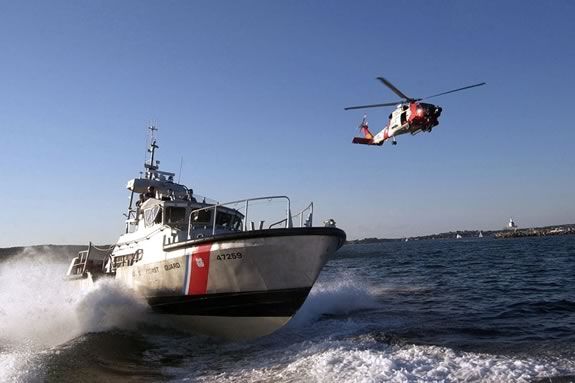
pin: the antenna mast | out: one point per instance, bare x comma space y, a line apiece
152, 150
181, 164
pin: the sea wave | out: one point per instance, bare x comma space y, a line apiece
363, 359
339, 296
40, 310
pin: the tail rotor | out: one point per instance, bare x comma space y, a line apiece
363, 128
363, 124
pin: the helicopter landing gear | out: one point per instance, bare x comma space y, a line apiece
394, 142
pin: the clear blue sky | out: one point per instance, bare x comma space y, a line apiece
251, 94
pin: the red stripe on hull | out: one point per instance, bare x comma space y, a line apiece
200, 267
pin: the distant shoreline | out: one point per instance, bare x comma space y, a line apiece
60, 251
544, 231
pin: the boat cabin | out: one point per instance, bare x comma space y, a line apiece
157, 203
176, 206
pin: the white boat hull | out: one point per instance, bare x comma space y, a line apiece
238, 285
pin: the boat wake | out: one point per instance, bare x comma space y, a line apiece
110, 305
338, 297
37, 306
39, 310
49, 331
369, 360
334, 337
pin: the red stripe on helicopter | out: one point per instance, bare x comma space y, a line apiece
366, 133
198, 269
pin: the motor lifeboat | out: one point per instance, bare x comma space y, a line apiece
216, 268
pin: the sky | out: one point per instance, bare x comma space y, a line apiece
248, 96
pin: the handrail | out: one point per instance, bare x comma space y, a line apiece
277, 223
84, 260
247, 201
300, 214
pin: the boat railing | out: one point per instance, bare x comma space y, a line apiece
307, 214
131, 219
202, 199
299, 216
78, 264
286, 222
91, 260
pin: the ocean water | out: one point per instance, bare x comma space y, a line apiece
480, 310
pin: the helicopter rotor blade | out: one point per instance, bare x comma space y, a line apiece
393, 88
454, 90
373, 105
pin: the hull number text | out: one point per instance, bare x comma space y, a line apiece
228, 256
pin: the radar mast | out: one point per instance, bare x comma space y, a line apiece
150, 166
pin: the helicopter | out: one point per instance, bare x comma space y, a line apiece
409, 116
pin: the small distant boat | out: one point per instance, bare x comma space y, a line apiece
458, 236
480, 235
406, 239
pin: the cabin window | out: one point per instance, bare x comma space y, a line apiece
224, 219
237, 222
175, 214
153, 215
202, 216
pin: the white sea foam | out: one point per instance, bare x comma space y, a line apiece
36, 305
409, 363
340, 295
368, 360
39, 309
14, 365
110, 305
342, 349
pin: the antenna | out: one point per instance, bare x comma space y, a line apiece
181, 164
152, 129
152, 150
149, 140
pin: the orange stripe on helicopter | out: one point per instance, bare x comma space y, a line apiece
367, 134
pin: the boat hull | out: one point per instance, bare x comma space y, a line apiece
244, 304
237, 285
